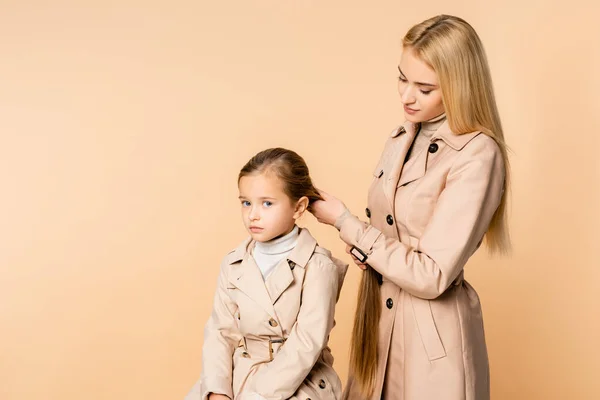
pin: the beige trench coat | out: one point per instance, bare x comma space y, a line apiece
426, 219
270, 337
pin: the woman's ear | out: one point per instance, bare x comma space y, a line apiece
301, 206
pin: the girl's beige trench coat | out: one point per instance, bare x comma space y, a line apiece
270, 337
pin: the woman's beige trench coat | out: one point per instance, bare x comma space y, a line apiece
427, 218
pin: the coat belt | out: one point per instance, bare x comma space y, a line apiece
261, 348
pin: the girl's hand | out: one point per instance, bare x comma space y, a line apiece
362, 266
251, 396
328, 210
215, 396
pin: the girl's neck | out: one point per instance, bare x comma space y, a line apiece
279, 244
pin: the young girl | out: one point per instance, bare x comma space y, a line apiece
439, 189
274, 305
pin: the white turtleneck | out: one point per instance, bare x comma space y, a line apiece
428, 128
268, 254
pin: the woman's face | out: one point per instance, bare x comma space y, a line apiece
419, 88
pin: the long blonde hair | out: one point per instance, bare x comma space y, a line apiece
452, 48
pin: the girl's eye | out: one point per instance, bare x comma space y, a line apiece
245, 203
401, 78
425, 92
267, 204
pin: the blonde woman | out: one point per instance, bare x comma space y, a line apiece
438, 190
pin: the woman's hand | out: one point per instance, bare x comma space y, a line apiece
362, 266
328, 210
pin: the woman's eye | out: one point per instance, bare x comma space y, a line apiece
402, 79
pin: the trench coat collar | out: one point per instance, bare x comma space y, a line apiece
247, 277
454, 140
402, 139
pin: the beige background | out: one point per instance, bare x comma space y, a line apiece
123, 125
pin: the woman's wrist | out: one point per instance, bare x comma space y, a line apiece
341, 218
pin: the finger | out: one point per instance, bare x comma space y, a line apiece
324, 194
360, 265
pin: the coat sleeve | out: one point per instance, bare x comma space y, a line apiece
308, 337
221, 336
463, 212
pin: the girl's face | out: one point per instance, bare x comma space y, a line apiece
267, 211
419, 89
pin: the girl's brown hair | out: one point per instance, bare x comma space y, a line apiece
288, 166
451, 47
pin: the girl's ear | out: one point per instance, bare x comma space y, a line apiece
301, 206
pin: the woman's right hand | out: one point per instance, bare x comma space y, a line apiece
215, 396
328, 210
362, 266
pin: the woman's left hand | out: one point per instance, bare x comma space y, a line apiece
361, 265
328, 210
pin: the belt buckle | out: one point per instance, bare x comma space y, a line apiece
271, 341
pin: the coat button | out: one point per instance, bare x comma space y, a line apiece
291, 264
273, 323
433, 147
368, 212
390, 220
245, 355
322, 384
389, 303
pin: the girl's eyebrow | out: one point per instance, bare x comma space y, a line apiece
260, 198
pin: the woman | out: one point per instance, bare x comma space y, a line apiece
439, 188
